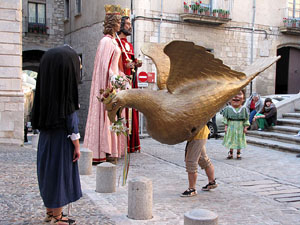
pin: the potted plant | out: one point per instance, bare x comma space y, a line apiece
215, 12
30, 28
294, 22
201, 10
206, 10
195, 7
185, 7
220, 13
227, 13
285, 22
35, 28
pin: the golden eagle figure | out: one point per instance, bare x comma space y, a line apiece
193, 87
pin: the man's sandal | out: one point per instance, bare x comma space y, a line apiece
62, 221
230, 155
238, 155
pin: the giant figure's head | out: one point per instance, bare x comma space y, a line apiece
112, 19
125, 26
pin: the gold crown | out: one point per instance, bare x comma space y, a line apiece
126, 12
107, 95
113, 9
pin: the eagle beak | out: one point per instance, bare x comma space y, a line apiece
113, 113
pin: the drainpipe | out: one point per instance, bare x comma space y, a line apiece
252, 41
161, 14
294, 8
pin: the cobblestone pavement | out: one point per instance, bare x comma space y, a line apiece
20, 201
262, 188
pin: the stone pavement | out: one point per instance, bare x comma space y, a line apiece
20, 201
262, 188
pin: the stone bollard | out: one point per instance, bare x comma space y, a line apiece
106, 175
35, 140
200, 217
140, 198
85, 162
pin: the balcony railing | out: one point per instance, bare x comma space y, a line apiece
39, 27
291, 21
219, 8
206, 11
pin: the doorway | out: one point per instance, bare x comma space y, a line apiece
288, 71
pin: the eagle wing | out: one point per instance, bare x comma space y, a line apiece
183, 64
194, 64
161, 60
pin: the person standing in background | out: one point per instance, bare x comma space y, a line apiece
195, 154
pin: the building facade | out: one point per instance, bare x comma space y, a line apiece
237, 32
43, 28
11, 95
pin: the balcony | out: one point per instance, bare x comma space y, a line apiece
290, 26
204, 12
291, 21
38, 28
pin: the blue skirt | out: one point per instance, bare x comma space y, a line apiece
58, 176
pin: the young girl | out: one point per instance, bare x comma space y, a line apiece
236, 120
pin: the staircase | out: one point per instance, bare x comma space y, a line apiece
281, 136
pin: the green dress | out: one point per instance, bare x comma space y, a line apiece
235, 119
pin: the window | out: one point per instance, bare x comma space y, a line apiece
78, 7
67, 9
37, 18
294, 9
37, 13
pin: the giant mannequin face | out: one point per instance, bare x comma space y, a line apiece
237, 101
127, 29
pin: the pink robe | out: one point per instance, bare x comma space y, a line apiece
98, 137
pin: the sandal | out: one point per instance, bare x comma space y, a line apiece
48, 216
238, 155
230, 155
59, 219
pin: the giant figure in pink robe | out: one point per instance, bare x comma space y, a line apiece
98, 136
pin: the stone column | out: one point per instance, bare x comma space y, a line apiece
11, 94
106, 175
35, 140
85, 162
200, 217
140, 198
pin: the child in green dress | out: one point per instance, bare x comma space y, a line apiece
236, 120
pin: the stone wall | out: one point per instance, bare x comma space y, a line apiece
55, 23
231, 42
11, 95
